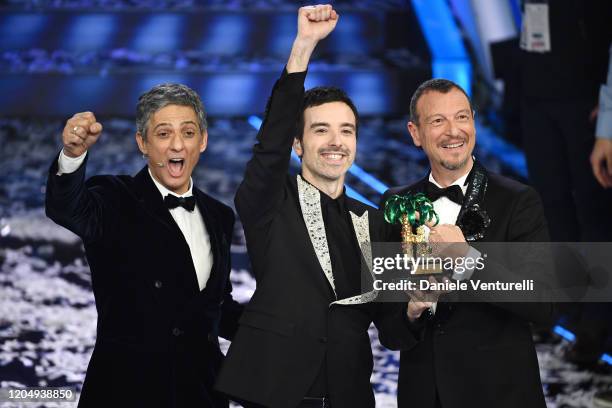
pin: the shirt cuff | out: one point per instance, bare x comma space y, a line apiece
463, 272
604, 126
66, 164
604, 117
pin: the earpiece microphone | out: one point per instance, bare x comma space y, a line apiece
160, 164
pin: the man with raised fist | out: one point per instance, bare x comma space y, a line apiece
303, 339
159, 253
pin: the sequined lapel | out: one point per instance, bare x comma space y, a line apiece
361, 225
310, 203
473, 219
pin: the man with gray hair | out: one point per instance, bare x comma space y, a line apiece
159, 253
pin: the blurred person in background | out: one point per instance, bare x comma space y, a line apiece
563, 61
601, 160
601, 156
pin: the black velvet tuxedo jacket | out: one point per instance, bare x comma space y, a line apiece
290, 327
477, 355
157, 333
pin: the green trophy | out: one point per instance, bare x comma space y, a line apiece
412, 212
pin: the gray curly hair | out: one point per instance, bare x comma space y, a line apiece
163, 95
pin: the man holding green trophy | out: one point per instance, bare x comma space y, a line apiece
472, 354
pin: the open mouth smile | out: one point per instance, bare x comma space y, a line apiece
175, 167
333, 157
453, 145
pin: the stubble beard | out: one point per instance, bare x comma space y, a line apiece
454, 166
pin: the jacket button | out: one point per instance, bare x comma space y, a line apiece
323, 339
158, 284
176, 331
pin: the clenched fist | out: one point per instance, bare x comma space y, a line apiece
316, 22
81, 131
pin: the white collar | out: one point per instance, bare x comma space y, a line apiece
459, 182
164, 191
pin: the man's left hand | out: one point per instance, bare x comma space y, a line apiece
448, 240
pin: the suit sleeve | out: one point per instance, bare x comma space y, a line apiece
83, 208
384, 199
262, 188
527, 225
230, 309
395, 331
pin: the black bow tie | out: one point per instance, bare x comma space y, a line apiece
173, 201
453, 192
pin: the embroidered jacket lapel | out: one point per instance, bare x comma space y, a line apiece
361, 225
310, 203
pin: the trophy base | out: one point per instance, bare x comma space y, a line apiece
427, 270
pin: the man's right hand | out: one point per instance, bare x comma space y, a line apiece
423, 300
601, 162
314, 24
416, 308
81, 131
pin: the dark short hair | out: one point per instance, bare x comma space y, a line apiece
320, 95
434, 85
163, 95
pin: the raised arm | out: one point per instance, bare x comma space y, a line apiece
68, 201
261, 190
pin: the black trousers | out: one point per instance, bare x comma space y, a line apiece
558, 139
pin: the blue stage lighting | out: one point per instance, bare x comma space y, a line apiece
91, 32
160, 33
368, 179
450, 58
368, 91
20, 31
563, 332
232, 93
354, 194
227, 35
255, 121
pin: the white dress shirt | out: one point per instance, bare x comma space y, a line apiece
191, 224
448, 210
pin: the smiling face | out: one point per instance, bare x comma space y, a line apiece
329, 142
445, 130
175, 140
